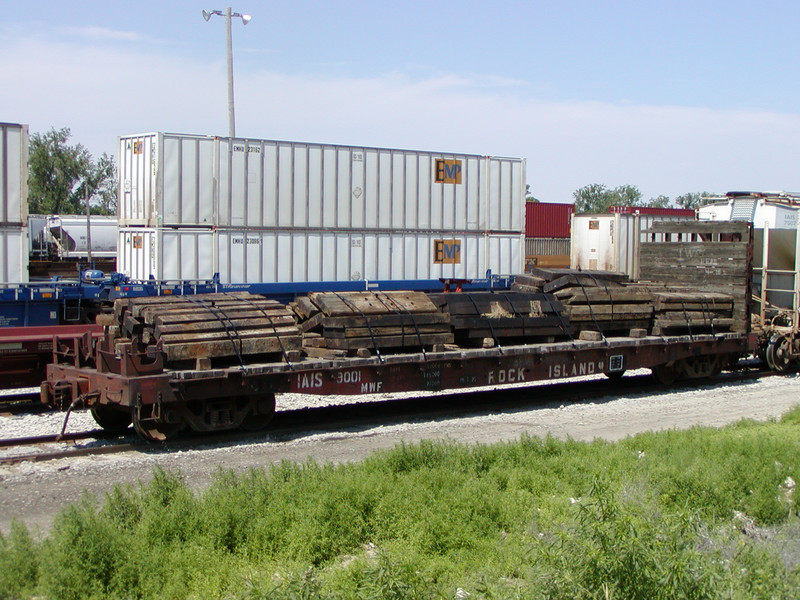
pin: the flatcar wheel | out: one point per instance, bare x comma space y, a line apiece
156, 430
665, 374
111, 418
779, 354
262, 416
700, 367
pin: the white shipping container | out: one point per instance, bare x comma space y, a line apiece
14, 254
264, 256
13, 174
194, 181
759, 211
70, 234
610, 242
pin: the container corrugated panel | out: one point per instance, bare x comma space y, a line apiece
653, 211
264, 256
13, 174
547, 246
547, 219
14, 254
610, 242
189, 180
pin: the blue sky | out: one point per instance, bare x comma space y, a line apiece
672, 97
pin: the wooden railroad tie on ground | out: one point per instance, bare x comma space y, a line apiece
337, 324
210, 326
489, 317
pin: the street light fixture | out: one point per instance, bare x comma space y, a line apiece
207, 14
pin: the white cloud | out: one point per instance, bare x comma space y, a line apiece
102, 92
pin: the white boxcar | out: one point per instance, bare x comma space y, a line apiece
70, 235
14, 254
13, 174
256, 256
773, 210
195, 181
610, 242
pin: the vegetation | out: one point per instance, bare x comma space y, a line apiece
62, 178
698, 514
597, 198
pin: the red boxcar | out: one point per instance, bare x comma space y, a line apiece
648, 210
547, 219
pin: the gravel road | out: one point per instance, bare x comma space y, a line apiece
33, 492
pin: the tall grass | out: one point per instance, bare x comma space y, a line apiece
677, 514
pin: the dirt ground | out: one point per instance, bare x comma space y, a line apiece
34, 492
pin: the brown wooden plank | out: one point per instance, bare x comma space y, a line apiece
234, 325
552, 274
586, 295
173, 338
320, 320
384, 331
356, 303
202, 314
221, 348
390, 341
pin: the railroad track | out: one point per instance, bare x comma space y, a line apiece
290, 424
17, 402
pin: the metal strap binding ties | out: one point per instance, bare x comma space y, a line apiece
488, 321
589, 304
549, 299
225, 321
686, 316
366, 321
255, 306
707, 311
395, 310
515, 312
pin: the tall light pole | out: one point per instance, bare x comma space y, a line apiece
207, 14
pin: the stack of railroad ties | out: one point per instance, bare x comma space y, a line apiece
211, 330
600, 303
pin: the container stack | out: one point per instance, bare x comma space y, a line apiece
341, 324
547, 231
268, 211
488, 318
13, 203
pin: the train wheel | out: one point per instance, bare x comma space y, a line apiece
665, 374
111, 417
779, 354
261, 415
701, 367
153, 428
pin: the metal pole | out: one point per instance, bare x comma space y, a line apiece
231, 123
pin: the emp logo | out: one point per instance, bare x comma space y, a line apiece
448, 171
446, 252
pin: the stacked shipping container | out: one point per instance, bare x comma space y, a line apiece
265, 211
547, 227
13, 203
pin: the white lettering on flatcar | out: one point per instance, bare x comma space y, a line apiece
506, 376
574, 369
371, 387
309, 381
348, 377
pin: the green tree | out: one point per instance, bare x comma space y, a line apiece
597, 198
529, 197
693, 199
61, 176
661, 201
